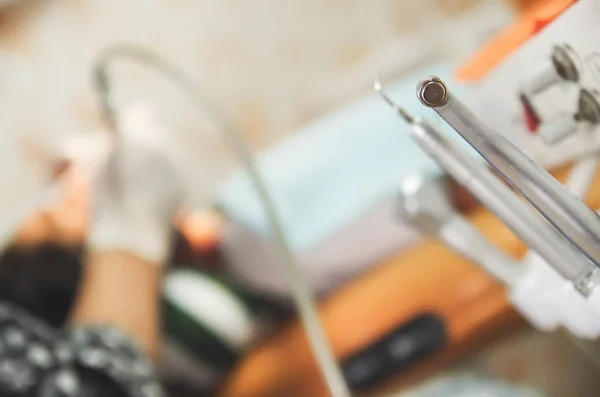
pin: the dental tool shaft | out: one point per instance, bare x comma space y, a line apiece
570, 216
426, 205
500, 199
466, 239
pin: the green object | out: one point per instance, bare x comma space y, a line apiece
208, 317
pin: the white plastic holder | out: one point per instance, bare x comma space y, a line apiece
540, 79
534, 295
576, 313
548, 301
594, 300
594, 297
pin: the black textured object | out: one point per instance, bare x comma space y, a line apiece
395, 352
38, 361
42, 280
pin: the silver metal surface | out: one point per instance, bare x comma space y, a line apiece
499, 198
563, 58
589, 106
425, 204
401, 112
432, 92
570, 216
504, 202
560, 67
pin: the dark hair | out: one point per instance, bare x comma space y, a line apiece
42, 280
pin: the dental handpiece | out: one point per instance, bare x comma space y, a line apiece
460, 235
536, 232
570, 216
425, 205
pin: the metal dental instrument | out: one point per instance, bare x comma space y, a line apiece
581, 178
563, 65
500, 199
425, 205
571, 217
305, 305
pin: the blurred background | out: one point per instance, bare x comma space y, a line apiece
272, 67
296, 80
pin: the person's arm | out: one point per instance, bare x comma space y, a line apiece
122, 290
134, 201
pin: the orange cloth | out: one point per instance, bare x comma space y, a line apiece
531, 22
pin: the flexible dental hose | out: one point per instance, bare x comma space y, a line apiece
302, 296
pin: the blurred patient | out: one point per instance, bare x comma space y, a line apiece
113, 332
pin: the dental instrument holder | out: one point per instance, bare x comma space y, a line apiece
580, 316
571, 217
563, 126
483, 184
561, 67
306, 307
544, 297
424, 204
538, 292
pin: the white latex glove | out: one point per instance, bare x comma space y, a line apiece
135, 198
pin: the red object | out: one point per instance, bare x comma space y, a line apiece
532, 120
201, 231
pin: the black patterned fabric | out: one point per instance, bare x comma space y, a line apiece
38, 361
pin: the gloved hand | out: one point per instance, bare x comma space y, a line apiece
135, 198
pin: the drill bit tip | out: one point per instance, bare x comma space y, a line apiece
379, 89
432, 92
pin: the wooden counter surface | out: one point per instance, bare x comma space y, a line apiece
427, 278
